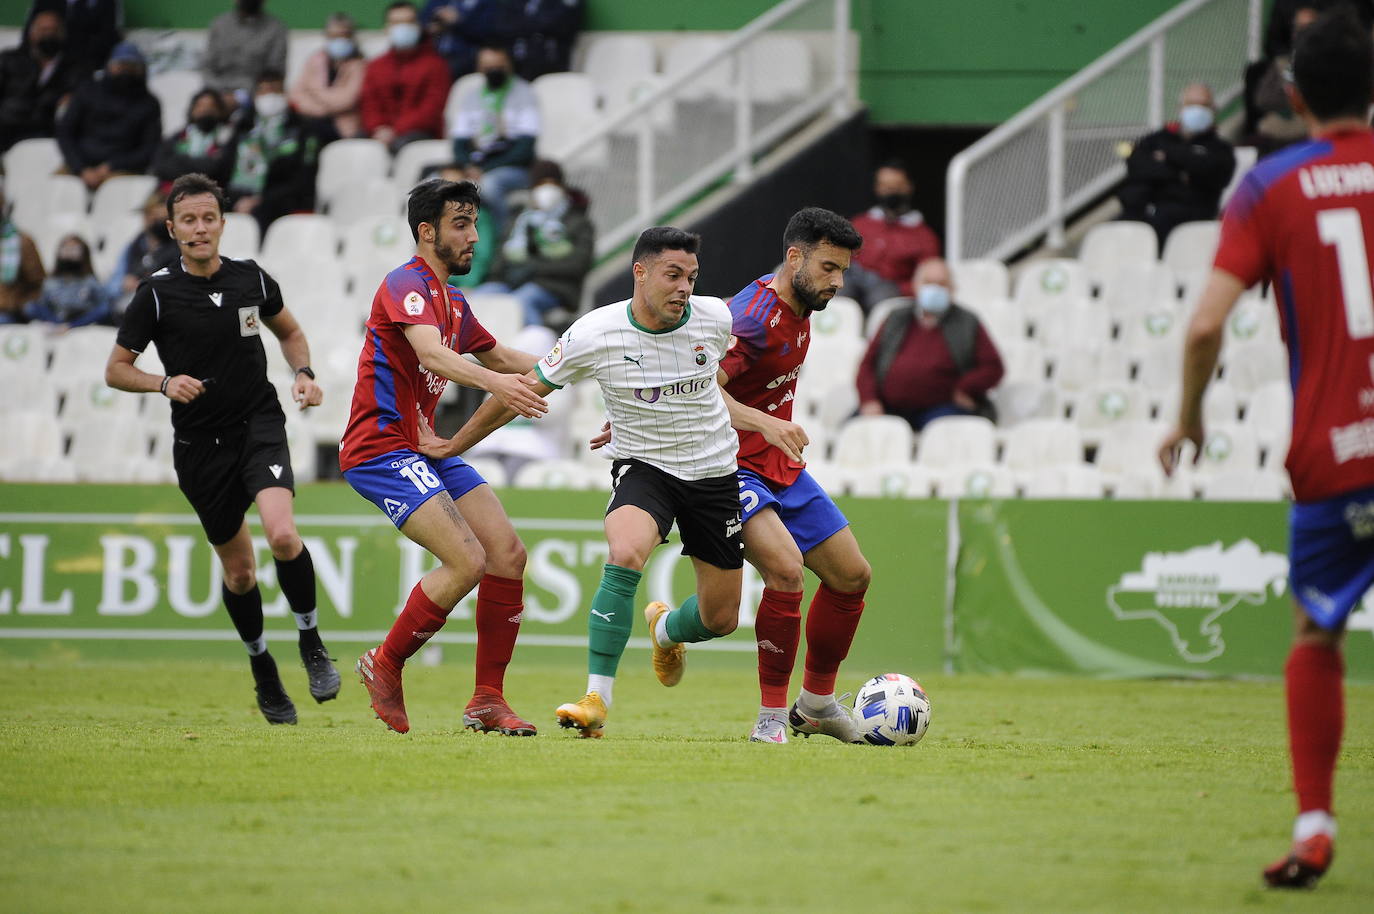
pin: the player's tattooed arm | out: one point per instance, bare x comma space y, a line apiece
490, 416
789, 437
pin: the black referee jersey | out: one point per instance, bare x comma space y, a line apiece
210, 329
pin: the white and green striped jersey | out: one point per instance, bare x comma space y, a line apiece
659, 385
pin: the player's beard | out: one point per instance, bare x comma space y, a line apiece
452, 260
808, 295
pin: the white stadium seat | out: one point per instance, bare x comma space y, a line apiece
1252, 485
843, 317
345, 164
553, 474
78, 354
880, 312
895, 480
1269, 411
27, 161
121, 194
107, 448
1021, 401
472, 82
777, 68
24, 350
957, 441
1110, 245
500, 314
1082, 481
1080, 323
1135, 288
567, 113
867, 440
1049, 283
616, 63
241, 236
413, 158
1246, 157
1103, 406
1191, 246
979, 281
715, 82
1228, 449
92, 398
1042, 443
1250, 364
367, 199
46, 197
174, 90
976, 480
308, 236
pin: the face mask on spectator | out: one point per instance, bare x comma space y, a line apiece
403, 35
496, 78
547, 196
339, 48
49, 45
206, 123
250, 7
271, 104
1195, 118
69, 260
933, 298
895, 203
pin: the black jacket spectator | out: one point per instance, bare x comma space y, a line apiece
94, 27
112, 123
32, 86
538, 33
274, 167
204, 146
1172, 178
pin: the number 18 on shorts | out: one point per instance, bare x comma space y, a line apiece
398, 482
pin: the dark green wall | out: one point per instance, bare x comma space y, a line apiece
922, 61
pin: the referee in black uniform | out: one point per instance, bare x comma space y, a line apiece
206, 313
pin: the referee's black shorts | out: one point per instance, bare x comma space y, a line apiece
221, 472
707, 510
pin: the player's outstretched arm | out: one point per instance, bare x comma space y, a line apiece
490, 416
296, 351
1200, 351
122, 374
514, 391
506, 360
787, 436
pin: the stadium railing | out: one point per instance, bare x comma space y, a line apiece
1026, 177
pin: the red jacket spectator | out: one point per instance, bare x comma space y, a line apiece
894, 245
406, 91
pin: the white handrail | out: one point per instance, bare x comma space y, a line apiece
1051, 107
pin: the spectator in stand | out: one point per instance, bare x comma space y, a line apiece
204, 145
21, 269
72, 296
328, 89
1270, 121
546, 255
1177, 173
494, 133
930, 359
896, 239
539, 33
93, 28
275, 157
149, 252
405, 89
243, 43
36, 78
113, 124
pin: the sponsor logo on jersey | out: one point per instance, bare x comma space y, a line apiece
217, 298
556, 354
685, 388
249, 323
786, 398
414, 303
1336, 180
700, 354
783, 379
276, 470
1354, 441
801, 338
777, 316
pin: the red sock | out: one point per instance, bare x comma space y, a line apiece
830, 625
418, 622
500, 601
1316, 716
777, 628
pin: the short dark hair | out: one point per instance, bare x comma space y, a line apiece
1333, 65
193, 185
269, 76
398, 5
810, 226
660, 238
896, 165
202, 93
428, 199
544, 170
494, 45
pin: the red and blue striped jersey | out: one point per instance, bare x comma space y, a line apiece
393, 389
1304, 220
767, 348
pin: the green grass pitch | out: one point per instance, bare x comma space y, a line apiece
149, 783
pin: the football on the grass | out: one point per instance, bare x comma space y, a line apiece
892, 710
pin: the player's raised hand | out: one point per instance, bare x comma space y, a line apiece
601, 438
183, 388
515, 393
430, 443
306, 392
789, 436
1171, 449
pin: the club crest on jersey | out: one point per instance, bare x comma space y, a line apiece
731, 344
777, 316
700, 354
249, 323
414, 303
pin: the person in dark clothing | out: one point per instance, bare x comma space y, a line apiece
1177, 174
35, 79
931, 360
113, 124
275, 159
206, 313
93, 28
147, 253
204, 145
546, 255
539, 33
72, 296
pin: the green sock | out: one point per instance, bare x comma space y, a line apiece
612, 615
684, 624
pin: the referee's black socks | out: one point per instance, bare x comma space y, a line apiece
245, 611
296, 577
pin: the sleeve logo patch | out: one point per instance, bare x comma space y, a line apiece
555, 354
733, 340
414, 304
249, 322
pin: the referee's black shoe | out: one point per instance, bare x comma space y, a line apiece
273, 701
324, 678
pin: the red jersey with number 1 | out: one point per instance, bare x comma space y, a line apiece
767, 348
393, 389
1304, 219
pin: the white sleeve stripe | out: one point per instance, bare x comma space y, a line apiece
262, 280
157, 303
